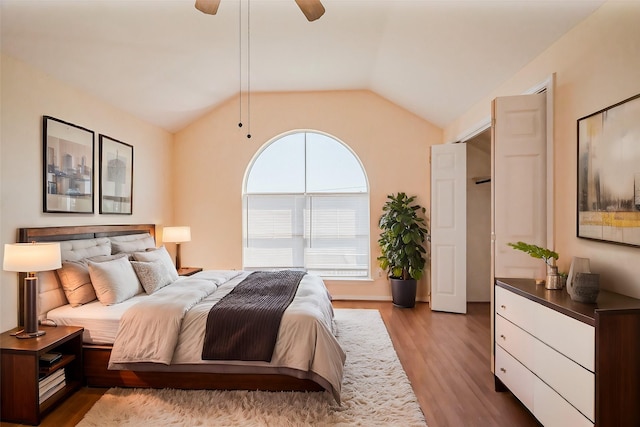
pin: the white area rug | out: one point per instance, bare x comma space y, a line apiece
375, 392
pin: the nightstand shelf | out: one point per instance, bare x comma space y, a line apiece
47, 370
21, 372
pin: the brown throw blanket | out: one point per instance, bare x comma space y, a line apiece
244, 324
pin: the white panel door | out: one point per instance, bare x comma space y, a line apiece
519, 147
449, 228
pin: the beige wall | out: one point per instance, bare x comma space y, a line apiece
597, 64
212, 156
26, 96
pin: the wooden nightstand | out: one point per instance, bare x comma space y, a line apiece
188, 271
21, 372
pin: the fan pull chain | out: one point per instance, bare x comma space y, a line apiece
248, 68
240, 63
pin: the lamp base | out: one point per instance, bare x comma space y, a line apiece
24, 335
178, 263
30, 308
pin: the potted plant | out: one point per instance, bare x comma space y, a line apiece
554, 279
402, 246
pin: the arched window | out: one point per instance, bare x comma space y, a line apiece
306, 206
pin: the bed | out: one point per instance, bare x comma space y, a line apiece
306, 357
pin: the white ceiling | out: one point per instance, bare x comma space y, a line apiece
167, 63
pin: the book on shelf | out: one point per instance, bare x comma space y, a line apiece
59, 386
49, 387
49, 359
46, 383
48, 378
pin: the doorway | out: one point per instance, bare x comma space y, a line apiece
479, 217
519, 178
461, 223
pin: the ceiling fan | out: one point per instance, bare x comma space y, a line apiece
312, 9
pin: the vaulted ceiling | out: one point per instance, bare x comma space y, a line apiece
167, 63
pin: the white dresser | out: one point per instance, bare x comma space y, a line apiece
570, 364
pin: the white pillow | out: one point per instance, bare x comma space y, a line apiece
153, 275
159, 254
132, 243
75, 279
114, 281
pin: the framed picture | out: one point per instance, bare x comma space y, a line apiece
609, 174
116, 176
68, 167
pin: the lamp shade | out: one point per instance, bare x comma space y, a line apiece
176, 234
31, 257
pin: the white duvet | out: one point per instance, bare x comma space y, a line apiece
167, 328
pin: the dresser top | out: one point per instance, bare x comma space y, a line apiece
560, 300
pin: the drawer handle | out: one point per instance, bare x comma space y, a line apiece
504, 307
504, 371
503, 337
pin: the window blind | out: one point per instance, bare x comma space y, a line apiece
324, 234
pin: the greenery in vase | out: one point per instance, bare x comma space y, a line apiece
402, 239
547, 255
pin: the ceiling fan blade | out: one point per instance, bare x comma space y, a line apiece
209, 7
312, 9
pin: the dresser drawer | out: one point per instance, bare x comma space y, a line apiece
574, 339
515, 341
553, 411
515, 376
516, 309
573, 382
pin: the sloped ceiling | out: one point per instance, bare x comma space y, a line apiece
167, 63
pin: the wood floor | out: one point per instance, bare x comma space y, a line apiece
446, 357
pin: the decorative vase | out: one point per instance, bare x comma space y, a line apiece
586, 287
554, 280
578, 265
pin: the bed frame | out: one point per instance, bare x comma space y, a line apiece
96, 357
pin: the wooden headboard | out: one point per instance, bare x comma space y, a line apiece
75, 232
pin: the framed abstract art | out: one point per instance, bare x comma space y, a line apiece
609, 174
116, 177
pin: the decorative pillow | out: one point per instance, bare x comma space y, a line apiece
75, 279
76, 283
132, 243
114, 281
152, 275
159, 254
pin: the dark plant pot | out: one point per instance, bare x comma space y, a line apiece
403, 292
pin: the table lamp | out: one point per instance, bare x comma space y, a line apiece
30, 258
177, 235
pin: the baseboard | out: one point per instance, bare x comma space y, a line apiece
366, 298
359, 298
